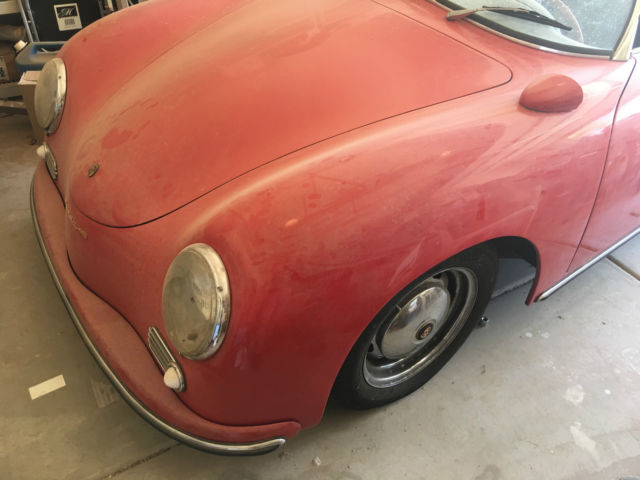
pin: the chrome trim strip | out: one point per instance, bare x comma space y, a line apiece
623, 51
256, 448
524, 42
564, 281
159, 348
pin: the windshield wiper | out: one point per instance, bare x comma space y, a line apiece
523, 13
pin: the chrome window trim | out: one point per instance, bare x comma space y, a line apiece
546, 294
254, 448
625, 46
618, 55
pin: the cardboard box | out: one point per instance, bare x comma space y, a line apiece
27, 86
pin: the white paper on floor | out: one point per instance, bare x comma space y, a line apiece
46, 387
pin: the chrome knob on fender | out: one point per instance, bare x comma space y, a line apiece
41, 151
173, 378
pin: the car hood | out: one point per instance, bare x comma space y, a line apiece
234, 85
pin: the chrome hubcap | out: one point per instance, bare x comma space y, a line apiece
418, 331
416, 323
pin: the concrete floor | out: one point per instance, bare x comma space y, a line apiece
550, 391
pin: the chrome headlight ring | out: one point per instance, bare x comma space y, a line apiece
196, 302
50, 95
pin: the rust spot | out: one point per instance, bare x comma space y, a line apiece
82, 233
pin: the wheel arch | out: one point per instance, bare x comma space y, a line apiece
504, 247
520, 248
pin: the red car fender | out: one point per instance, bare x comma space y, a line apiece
317, 242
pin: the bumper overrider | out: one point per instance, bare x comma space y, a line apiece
123, 356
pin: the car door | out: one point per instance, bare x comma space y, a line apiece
616, 212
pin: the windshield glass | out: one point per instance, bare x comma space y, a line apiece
596, 25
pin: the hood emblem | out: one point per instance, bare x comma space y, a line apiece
93, 169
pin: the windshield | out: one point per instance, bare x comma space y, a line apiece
596, 25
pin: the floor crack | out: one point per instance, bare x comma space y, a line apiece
624, 268
140, 462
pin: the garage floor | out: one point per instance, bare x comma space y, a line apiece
550, 391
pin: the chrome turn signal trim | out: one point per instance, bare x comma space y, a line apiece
173, 375
45, 153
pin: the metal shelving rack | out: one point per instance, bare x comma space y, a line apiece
8, 90
23, 7
27, 20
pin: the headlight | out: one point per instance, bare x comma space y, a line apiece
50, 94
196, 302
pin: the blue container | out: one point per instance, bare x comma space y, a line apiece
36, 54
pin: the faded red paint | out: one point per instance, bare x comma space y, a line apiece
331, 152
552, 94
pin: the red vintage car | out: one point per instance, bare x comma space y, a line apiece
249, 205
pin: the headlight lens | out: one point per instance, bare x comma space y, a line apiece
50, 94
196, 302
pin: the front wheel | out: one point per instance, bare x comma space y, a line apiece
418, 331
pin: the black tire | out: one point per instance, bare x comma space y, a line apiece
367, 377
